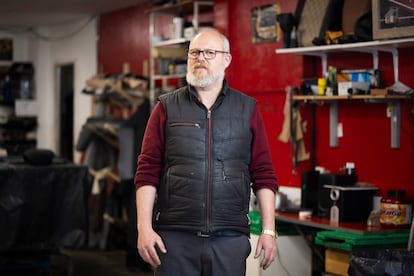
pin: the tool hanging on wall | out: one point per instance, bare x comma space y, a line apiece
293, 129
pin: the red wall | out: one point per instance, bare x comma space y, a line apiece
258, 71
124, 38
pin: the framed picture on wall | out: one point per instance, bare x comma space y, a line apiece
6, 49
264, 23
392, 18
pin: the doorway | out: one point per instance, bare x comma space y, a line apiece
65, 113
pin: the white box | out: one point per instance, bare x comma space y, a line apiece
344, 86
26, 108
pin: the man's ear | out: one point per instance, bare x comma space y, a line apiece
227, 59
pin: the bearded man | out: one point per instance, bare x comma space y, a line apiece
204, 149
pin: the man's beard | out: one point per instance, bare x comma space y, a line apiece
206, 81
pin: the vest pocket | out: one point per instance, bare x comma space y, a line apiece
188, 124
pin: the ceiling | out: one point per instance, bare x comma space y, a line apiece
36, 13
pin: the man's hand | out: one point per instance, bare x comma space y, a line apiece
148, 240
148, 244
267, 245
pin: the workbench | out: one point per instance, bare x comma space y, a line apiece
343, 235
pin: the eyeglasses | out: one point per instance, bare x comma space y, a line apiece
207, 53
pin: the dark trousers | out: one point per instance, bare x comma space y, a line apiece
192, 255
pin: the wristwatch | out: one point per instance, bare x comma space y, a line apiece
272, 233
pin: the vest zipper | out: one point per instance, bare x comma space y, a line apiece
208, 191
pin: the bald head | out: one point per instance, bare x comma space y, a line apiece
213, 35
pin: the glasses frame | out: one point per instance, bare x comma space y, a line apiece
197, 52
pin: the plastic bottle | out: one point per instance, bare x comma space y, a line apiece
7, 93
395, 209
321, 86
24, 88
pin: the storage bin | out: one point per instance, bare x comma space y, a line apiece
352, 241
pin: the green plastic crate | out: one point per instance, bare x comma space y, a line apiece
352, 241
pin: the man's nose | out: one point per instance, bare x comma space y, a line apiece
201, 56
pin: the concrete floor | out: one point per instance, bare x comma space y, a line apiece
81, 262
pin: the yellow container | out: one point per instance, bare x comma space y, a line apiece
321, 86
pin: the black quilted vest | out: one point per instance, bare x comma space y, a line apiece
205, 180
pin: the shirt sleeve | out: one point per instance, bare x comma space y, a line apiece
150, 160
261, 168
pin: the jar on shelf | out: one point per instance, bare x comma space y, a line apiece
396, 209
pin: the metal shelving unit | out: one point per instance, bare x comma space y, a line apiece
188, 8
370, 47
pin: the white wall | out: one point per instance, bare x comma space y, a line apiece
48, 50
294, 258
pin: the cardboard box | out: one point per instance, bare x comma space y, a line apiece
336, 261
354, 76
354, 81
379, 92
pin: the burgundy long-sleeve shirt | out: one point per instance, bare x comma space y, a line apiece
150, 161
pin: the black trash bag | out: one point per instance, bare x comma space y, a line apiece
384, 262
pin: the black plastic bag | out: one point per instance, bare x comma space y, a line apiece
382, 262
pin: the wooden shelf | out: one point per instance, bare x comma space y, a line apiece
393, 108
